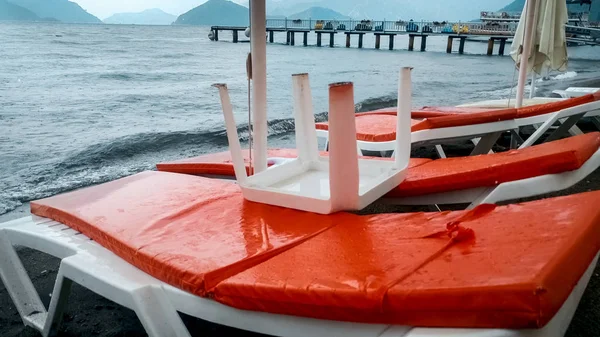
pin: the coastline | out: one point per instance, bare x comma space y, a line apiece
89, 314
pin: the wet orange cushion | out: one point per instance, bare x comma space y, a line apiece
381, 127
371, 127
453, 174
218, 163
509, 267
443, 175
540, 109
221, 163
506, 267
188, 231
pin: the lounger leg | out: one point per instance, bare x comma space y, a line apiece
596, 121
440, 151
58, 304
575, 131
19, 286
486, 197
539, 132
484, 145
564, 127
157, 314
515, 138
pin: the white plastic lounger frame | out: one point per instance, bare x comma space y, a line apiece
157, 304
576, 92
490, 132
339, 182
517, 189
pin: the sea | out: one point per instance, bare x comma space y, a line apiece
86, 104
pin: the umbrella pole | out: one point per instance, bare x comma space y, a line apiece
528, 37
258, 45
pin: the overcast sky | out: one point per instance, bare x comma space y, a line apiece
105, 8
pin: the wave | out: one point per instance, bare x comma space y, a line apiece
122, 157
376, 103
125, 77
144, 143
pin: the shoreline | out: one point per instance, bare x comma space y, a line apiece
89, 314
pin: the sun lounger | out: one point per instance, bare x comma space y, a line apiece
576, 92
166, 243
376, 131
492, 178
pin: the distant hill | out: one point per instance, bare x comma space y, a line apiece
10, 11
216, 12
62, 10
320, 13
517, 6
148, 17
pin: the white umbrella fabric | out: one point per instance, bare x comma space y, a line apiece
541, 36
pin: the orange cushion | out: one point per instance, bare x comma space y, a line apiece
509, 267
442, 175
453, 174
381, 127
218, 163
188, 231
221, 163
540, 109
495, 115
505, 267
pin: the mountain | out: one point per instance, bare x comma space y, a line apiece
517, 6
320, 13
216, 12
62, 10
148, 17
10, 11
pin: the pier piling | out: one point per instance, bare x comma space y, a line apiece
377, 41
271, 36
502, 46
492, 41
235, 36
331, 39
411, 41
318, 39
305, 39
461, 47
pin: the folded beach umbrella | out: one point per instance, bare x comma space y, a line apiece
541, 37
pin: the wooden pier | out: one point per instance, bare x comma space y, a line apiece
415, 30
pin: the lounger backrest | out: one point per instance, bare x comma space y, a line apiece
540, 109
463, 119
417, 114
